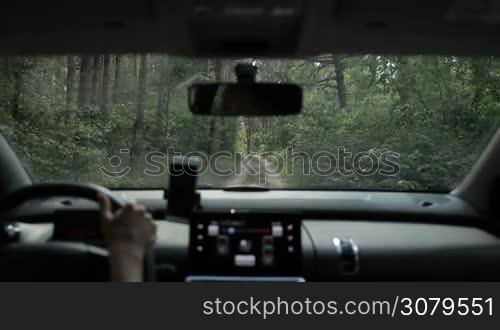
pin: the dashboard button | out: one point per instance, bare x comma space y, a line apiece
267, 249
277, 229
268, 259
213, 230
267, 240
245, 245
244, 260
222, 245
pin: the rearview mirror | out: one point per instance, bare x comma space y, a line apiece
245, 99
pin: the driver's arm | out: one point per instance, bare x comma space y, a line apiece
128, 233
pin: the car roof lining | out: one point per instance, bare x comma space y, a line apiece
229, 28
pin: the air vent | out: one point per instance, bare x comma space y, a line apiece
348, 256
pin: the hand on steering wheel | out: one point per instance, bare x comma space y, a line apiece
129, 233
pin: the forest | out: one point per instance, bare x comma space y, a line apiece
66, 116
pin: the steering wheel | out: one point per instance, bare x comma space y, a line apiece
61, 253
79, 190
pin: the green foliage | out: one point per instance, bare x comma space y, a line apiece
436, 113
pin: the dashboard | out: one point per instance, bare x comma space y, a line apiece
372, 251
299, 236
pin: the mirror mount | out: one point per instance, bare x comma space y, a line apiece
245, 73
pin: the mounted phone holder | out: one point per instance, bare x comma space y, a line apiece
182, 197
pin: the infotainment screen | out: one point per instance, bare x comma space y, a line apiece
228, 246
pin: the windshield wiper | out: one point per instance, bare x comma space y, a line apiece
205, 186
242, 188
245, 188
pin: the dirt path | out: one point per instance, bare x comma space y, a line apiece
258, 172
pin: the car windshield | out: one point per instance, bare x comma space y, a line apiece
369, 122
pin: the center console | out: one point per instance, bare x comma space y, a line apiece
233, 246
245, 247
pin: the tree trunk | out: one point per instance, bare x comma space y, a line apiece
70, 85
212, 74
85, 88
162, 87
340, 81
18, 90
23, 70
7, 75
223, 69
105, 84
372, 67
117, 82
96, 77
139, 116
166, 113
6, 66
163, 101
135, 66
479, 74
249, 133
141, 95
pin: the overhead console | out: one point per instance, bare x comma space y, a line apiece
245, 28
